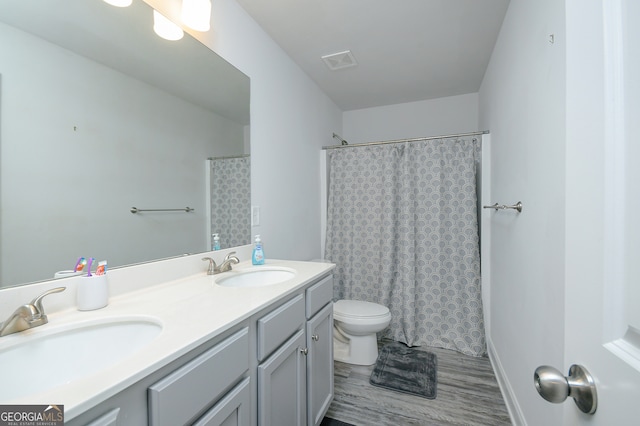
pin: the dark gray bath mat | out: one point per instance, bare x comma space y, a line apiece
405, 369
333, 422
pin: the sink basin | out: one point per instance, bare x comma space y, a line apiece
33, 363
256, 277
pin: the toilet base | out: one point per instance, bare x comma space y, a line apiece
361, 350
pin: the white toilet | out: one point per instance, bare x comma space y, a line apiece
355, 324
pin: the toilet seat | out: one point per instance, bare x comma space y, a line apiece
355, 309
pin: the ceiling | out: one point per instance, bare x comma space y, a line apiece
407, 50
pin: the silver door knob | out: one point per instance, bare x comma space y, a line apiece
304, 351
553, 386
315, 337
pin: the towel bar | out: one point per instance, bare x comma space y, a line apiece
135, 210
517, 206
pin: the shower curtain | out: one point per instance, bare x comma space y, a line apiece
402, 229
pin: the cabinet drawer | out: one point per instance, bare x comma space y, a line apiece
319, 295
108, 419
233, 410
276, 327
183, 394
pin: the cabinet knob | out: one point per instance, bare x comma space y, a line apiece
304, 350
315, 337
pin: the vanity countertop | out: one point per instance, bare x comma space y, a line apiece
192, 310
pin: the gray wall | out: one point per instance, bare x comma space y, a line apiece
434, 117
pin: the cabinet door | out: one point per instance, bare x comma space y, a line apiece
233, 410
319, 364
282, 385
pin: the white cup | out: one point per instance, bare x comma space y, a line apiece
93, 292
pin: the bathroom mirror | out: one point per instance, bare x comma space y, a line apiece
99, 115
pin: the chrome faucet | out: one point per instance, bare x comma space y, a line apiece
28, 316
228, 261
225, 266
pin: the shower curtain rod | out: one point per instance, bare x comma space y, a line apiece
228, 158
459, 135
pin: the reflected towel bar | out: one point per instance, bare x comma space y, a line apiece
135, 210
517, 206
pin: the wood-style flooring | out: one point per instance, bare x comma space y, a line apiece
467, 394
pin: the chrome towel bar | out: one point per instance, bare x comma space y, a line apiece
517, 206
135, 210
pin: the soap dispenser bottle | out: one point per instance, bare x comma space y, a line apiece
216, 242
258, 254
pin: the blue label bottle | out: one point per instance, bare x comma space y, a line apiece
258, 254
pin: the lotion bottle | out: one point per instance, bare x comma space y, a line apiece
216, 242
258, 254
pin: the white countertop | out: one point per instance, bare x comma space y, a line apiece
192, 310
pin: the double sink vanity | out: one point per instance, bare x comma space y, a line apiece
252, 346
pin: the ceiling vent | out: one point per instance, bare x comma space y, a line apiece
337, 61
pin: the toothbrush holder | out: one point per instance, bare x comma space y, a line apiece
93, 292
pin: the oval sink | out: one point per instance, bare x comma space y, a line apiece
256, 277
36, 363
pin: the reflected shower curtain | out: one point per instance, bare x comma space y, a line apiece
231, 200
402, 228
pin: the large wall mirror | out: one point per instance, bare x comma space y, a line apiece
99, 115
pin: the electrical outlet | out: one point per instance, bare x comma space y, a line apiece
255, 215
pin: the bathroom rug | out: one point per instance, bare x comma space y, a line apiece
405, 369
327, 421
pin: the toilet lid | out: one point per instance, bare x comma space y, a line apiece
358, 308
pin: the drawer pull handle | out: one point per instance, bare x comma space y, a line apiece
304, 351
315, 337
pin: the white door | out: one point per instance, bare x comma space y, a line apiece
602, 299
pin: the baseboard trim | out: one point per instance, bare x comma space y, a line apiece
510, 399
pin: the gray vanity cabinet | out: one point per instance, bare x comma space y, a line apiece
272, 369
295, 382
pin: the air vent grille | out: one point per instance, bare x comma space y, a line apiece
340, 60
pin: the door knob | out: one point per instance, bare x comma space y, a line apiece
315, 337
553, 386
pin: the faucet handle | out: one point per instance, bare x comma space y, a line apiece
212, 265
37, 302
231, 256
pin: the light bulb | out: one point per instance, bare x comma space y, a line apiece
119, 3
165, 28
197, 14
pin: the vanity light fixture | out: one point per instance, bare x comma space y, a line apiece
119, 3
197, 14
165, 28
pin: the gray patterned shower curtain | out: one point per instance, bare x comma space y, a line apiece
402, 228
231, 200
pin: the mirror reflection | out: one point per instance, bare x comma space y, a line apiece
99, 115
